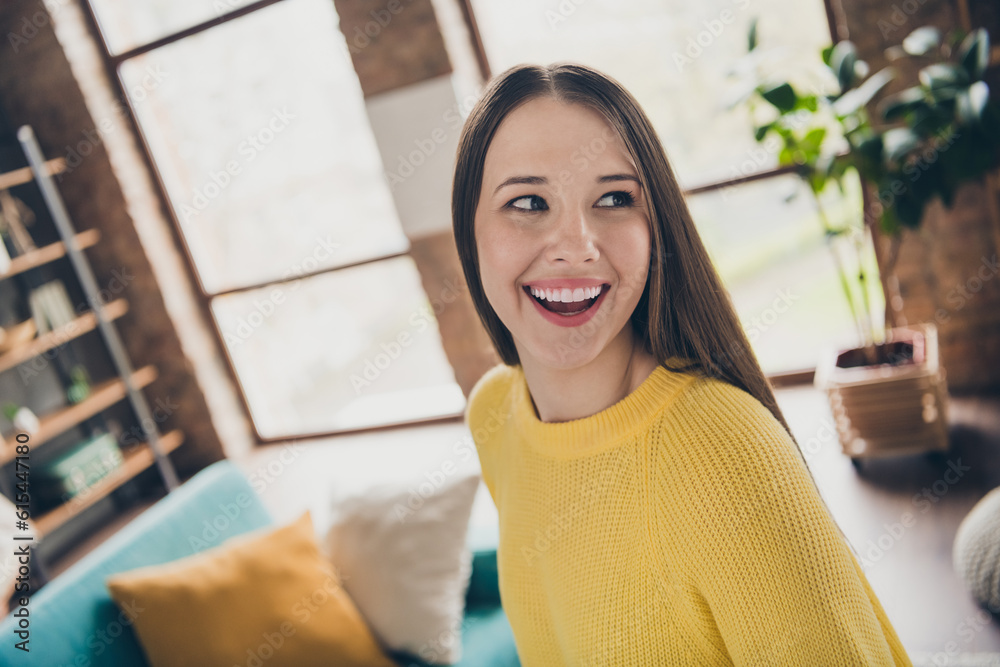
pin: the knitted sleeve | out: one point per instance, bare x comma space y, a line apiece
763, 559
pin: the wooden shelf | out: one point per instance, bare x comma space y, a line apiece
26, 345
67, 332
49, 253
23, 175
137, 459
101, 397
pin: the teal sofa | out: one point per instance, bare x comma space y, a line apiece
74, 622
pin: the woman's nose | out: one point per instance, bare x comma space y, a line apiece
573, 238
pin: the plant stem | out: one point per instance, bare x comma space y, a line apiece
861, 246
841, 271
863, 281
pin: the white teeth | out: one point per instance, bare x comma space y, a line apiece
566, 295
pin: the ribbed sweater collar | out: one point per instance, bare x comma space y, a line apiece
600, 431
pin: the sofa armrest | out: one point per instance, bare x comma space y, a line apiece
73, 619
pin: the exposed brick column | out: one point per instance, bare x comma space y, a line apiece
75, 116
400, 51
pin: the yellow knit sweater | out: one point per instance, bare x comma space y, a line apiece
676, 527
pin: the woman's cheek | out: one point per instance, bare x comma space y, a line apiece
500, 258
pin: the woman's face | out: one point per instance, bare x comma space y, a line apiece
561, 215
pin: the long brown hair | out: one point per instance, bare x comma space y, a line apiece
684, 310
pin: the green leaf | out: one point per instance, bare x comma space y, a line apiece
899, 141
762, 131
842, 61
894, 53
752, 35
963, 160
817, 181
990, 122
869, 156
854, 99
971, 103
943, 76
931, 120
974, 53
909, 210
813, 140
871, 146
787, 137
807, 102
861, 70
902, 103
782, 96
928, 177
826, 55
922, 40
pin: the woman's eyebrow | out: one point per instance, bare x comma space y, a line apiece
541, 180
517, 180
618, 177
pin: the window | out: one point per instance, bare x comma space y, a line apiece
257, 129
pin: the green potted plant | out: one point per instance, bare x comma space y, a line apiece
888, 395
933, 187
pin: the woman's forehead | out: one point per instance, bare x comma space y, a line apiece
545, 135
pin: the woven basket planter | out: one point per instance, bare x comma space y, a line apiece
898, 406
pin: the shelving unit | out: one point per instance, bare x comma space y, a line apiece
136, 460
128, 383
52, 339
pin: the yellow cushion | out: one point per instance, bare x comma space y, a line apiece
268, 597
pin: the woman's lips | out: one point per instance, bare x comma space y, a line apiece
574, 320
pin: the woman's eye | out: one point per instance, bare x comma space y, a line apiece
528, 203
619, 199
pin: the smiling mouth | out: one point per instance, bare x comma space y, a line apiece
566, 308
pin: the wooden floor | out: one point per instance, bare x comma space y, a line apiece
913, 577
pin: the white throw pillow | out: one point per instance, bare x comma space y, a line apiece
402, 556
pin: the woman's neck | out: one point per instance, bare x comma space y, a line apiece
564, 394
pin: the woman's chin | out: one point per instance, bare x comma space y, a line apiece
565, 355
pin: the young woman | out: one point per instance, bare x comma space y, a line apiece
654, 506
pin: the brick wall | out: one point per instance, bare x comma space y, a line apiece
75, 115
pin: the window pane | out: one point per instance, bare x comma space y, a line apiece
352, 348
133, 23
673, 56
259, 129
779, 269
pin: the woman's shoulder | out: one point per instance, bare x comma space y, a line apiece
723, 447
706, 394
489, 389
713, 416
